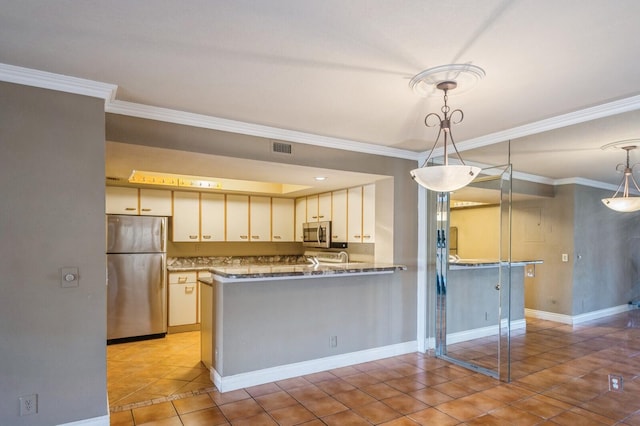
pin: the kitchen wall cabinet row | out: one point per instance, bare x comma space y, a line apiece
351, 212
215, 217
231, 217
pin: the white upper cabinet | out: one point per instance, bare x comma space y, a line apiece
368, 213
339, 216
212, 224
237, 217
121, 200
155, 202
260, 218
282, 219
186, 216
134, 201
301, 217
312, 208
361, 216
354, 214
324, 207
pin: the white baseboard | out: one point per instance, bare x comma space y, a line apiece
475, 333
95, 421
576, 319
282, 372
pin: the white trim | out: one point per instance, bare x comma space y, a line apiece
576, 319
599, 111
208, 122
477, 333
585, 182
282, 372
95, 421
62, 83
422, 271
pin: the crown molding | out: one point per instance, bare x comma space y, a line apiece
59, 82
585, 182
215, 123
592, 113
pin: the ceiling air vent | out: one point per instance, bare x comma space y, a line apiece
281, 148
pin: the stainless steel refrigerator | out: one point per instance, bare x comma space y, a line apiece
136, 278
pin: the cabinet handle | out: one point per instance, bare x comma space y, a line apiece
182, 280
206, 237
314, 217
146, 210
321, 216
188, 290
130, 209
366, 236
243, 237
255, 237
356, 236
277, 237
193, 237
334, 236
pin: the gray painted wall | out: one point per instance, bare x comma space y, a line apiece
51, 216
606, 256
271, 323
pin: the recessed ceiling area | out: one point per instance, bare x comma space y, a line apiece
248, 176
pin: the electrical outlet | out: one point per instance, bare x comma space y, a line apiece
615, 382
565, 257
28, 404
333, 341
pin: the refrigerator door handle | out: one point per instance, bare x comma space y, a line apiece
162, 234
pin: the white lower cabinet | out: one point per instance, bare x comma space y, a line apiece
183, 298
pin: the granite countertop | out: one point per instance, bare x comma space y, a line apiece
302, 270
486, 263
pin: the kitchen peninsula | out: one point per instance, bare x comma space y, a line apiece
262, 323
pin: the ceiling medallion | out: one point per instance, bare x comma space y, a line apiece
465, 75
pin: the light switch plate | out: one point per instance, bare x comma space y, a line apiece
69, 277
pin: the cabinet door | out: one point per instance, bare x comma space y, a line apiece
201, 274
183, 297
339, 216
182, 304
211, 217
354, 214
260, 218
186, 216
368, 213
301, 216
155, 202
282, 219
312, 208
120, 200
237, 217
324, 206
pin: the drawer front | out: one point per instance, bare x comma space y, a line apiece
182, 277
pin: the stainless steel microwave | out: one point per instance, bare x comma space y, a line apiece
316, 234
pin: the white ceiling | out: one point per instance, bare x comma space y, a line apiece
341, 69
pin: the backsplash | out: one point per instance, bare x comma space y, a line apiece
208, 261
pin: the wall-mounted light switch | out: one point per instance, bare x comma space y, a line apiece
565, 257
69, 277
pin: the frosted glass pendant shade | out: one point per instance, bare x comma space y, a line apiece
445, 178
623, 204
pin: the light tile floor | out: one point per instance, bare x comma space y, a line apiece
560, 377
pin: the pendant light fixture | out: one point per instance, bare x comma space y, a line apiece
624, 203
446, 177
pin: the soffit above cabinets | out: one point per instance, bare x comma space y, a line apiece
232, 174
